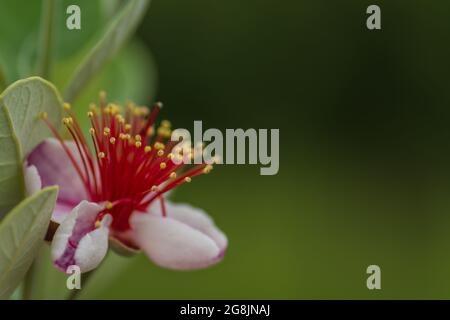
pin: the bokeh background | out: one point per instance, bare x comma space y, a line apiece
364, 144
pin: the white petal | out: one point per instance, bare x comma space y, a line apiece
93, 247
173, 244
32, 179
78, 242
195, 218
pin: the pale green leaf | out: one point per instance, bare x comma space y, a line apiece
12, 189
25, 100
21, 235
115, 36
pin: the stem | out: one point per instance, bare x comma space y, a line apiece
45, 47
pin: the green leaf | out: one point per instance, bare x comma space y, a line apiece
25, 100
21, 235
20, 36
115, 36
46, 38
12, 187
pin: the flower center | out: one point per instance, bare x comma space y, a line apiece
127, 164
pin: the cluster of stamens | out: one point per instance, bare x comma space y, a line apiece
127, 164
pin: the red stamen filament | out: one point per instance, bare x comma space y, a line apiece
133, 166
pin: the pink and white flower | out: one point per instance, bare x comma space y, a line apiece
115, 195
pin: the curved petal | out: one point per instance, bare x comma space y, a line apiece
78, 241
195, 218
33, 181
55, 168
186, 239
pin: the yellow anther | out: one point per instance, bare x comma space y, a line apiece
166, 124
43, 115
147, 149
137, 137
102, 96
90, 114
122, 136
154, 189
120, 119
173, 175
106, 131
112, 140
127, 127
108, 205
188, 179
67, 121
159, 146
164, 132
160, 153
98, 224
170, 156
101, 155
208, 168
93, 107
92, 131
66, 106
138, 144
162, 165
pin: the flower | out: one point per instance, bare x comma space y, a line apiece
115, 193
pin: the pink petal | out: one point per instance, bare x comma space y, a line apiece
55, 168
77, 241
186, 239
195, 218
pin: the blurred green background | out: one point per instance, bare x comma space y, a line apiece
364, 126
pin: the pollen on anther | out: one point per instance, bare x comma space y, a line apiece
173, 175
162, 165
147, 149
138, 144
208, 169
160, 153
92, 131
66, 106
43, 115
112, 140
101, 155
108, 205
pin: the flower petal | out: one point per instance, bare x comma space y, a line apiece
192, 242
55, 168
32, 179
195, 218
77, 241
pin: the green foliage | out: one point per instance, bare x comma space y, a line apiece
12, 189
21, 235
25, 100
